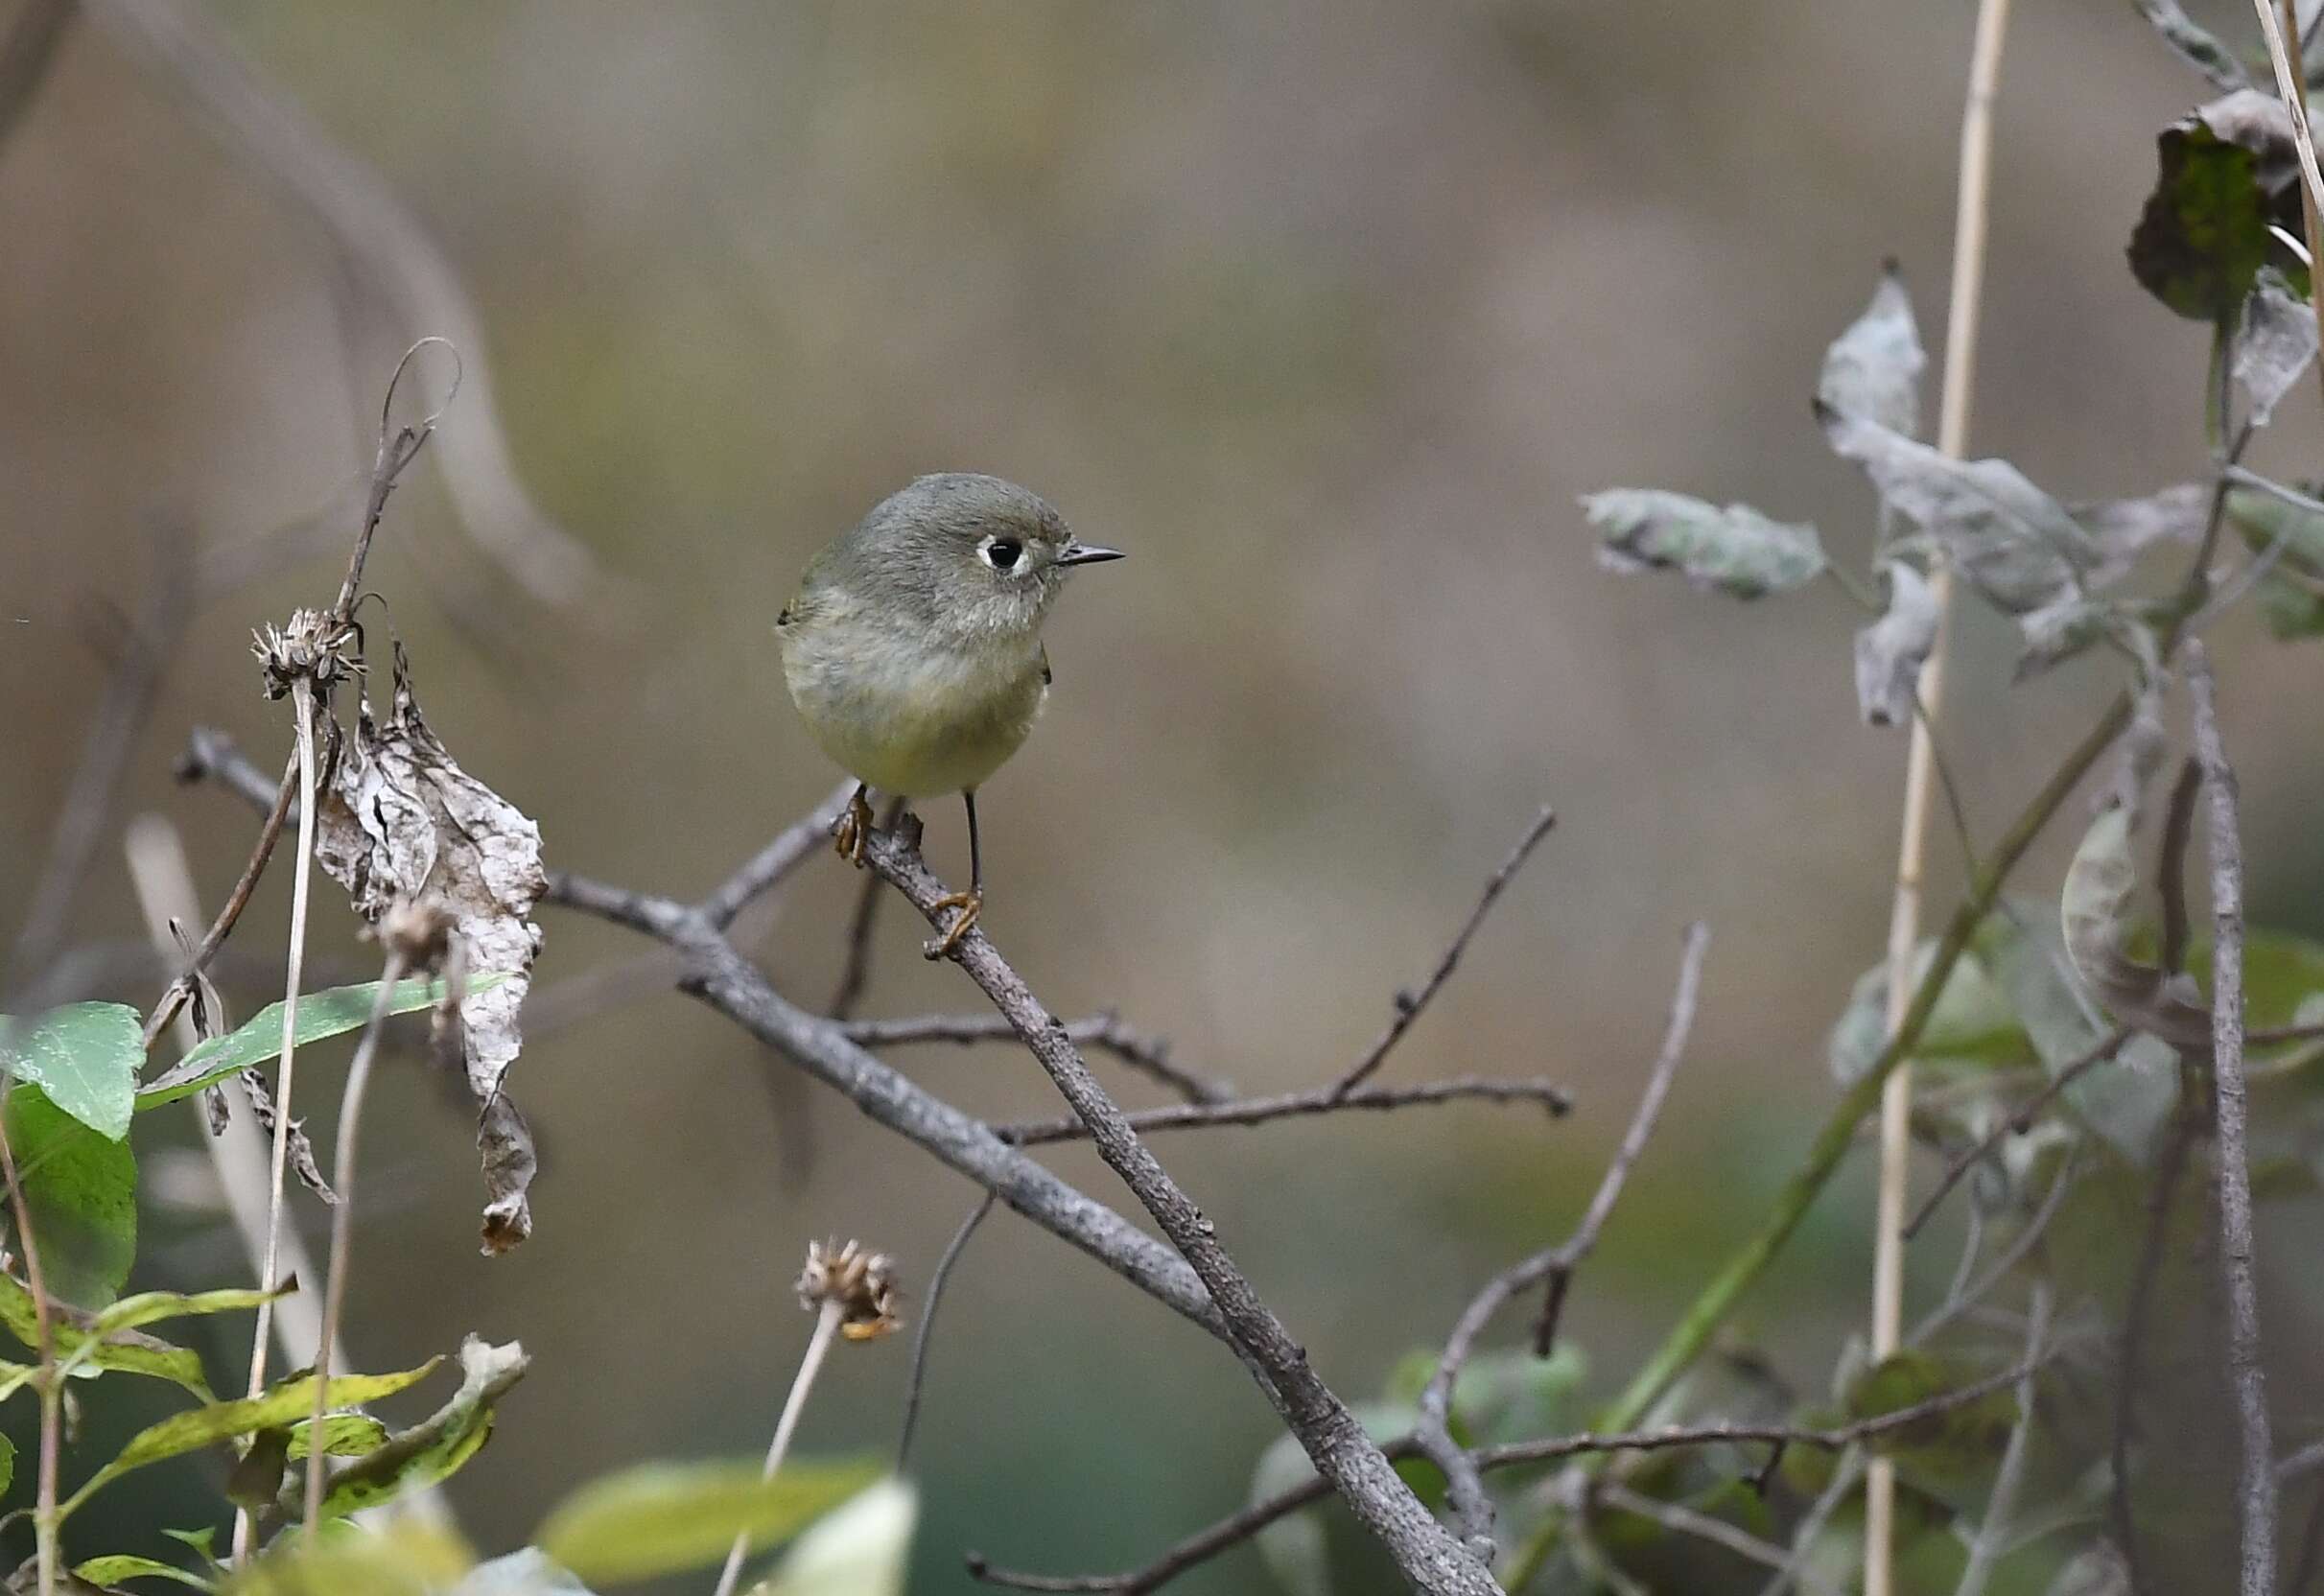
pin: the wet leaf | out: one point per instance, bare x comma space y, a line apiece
321, 1015
1736, 549
2274, 344
2224, 173
403, 822
859, 1548
83, 1056
1890, 651
80, 1188
2006, 536
665, 1517
1873, 370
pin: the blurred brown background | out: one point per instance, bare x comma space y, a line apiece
1325, 312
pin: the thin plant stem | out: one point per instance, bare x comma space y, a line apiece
302, 700
827, 1327
343, 1224
52, 1396
1971, 208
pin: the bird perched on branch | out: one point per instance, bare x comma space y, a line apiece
914, 648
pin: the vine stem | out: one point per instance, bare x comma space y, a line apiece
1971, 208
302, 701
827, 1325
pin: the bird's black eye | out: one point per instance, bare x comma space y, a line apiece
1003, 553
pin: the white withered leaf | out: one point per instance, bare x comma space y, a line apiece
1736, 549
1873, 370
1890, 651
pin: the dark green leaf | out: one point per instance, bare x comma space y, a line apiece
2223, 175
321, 1015
258, 1473
665, 1517
1736, 549
81, 1189
85, 1056
279, 1406
345, 1434
2263, 519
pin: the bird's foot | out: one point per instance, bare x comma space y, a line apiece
971, 904
852, 831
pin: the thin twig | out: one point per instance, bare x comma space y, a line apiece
1240, 1526
2028, 1236
1147, 1054
303, 710
342, 1220
826, 1327
2017, 1122
1993, 1528
1410, 1005
1682, 1520
2170, 877
1971, 208
2171, 1164
1290, 1104
2238, 1248
918, 1385
269, 831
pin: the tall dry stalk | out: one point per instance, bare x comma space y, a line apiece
1971, 206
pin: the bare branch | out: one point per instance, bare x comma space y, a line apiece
1149, 1055
85, 816
1291, 1105
2237, 1248
1410, 1005
2170, 876
2194, 45
386, 250
1426, 1553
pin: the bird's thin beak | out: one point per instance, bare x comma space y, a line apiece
1087, 553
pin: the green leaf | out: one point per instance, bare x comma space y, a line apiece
1947, 1451
81, 1191
402, 1558
1972, 1024
128, 1352
1736, 549
2263, 519
859, 1548
663, 1517
321, 1015
85, 1056
436, 1447
112, 1570
345, 1434
2290, 608
151, 1307
282, 1404
2274, 344
2200, 242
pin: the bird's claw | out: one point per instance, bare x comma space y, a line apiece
971, 904
852, 834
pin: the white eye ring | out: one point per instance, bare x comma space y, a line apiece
1004, 554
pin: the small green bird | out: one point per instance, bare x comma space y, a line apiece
914, 648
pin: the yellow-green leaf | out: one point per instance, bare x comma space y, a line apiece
662, 1518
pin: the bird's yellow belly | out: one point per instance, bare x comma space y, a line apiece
908, 721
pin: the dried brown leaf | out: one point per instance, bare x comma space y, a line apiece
401, 822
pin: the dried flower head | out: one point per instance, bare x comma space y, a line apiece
307, 646
861, 1283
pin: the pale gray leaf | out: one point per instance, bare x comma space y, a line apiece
2123, 528
2007, 537
2194, 45
2143, 745
401, 821
2126, 1100
2094, 919
2275, 344
1736, 549
1890, 651
2059, 631
1873, 370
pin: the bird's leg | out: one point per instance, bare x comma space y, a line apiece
970, 904
853, 831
